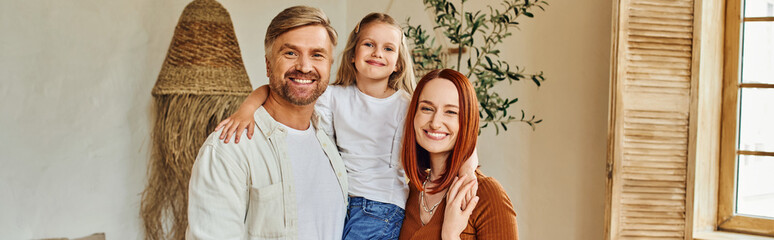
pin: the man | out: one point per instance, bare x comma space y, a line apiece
288, 181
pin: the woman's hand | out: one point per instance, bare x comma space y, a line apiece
456, 214
239, 121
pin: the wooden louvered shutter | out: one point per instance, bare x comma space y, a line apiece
649, 119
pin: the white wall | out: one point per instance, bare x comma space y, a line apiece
75, 106
75, 110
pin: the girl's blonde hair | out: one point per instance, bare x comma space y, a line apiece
403, 78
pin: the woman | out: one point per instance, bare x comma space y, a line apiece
440, 133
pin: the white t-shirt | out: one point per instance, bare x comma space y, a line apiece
368, 132
321, 207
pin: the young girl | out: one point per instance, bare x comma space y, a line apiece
364, 112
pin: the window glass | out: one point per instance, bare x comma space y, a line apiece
759, 8
755, 189
758, 53
756, 120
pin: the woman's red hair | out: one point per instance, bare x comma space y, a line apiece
415, 158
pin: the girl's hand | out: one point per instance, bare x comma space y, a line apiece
456, 214
469, 168
237, 122
243, 117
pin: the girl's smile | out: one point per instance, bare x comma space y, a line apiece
376, 53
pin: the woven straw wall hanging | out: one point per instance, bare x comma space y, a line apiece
203, 80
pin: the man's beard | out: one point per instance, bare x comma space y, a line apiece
283, 88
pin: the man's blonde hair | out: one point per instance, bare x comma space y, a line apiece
294, 17
402, 79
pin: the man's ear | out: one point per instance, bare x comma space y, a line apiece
268, 68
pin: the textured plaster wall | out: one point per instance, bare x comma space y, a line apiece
75, 106
75, 110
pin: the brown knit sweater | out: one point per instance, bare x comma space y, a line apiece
493, 217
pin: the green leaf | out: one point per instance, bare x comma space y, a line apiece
504, 127
535, 79
529, 14
489, 113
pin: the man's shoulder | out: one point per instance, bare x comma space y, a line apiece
324, 141
213, 140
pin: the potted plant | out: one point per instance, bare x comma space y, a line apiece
474, 37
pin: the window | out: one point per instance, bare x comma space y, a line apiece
746, 192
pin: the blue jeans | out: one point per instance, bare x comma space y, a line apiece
368, 219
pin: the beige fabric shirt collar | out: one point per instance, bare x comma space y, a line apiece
269, 126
